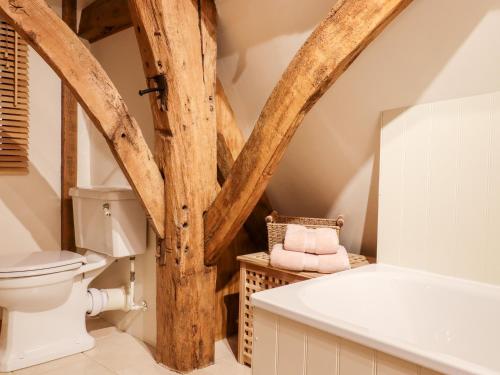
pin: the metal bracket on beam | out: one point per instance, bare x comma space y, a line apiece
161, 88
161, 253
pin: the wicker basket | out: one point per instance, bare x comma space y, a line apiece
276, 226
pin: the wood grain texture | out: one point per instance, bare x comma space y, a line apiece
58, 45
349, 27
177, 39
230, 139
227, 288
69, 143
230, 142
103, 18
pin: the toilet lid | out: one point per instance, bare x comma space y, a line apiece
38, 263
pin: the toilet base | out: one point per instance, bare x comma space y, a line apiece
12, 360
29, 338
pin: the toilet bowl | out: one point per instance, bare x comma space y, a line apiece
44, 300
45, 295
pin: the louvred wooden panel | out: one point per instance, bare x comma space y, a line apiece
14, 102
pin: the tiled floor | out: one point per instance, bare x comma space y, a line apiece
119, 353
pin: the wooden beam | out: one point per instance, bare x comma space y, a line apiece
230, 139
103, 18
69, 143
228, 275
184, 51
230, 142
349, 27
59, 46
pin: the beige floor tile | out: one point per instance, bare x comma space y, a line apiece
223, 350
52, 365
120, 351
82, 367
146, 369
95, 323
104, 332
227, 366
79, 365
99, 328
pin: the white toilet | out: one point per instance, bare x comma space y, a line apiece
45, 296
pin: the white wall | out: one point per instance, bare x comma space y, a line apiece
29, 205
434, 50
439, 206
120, 57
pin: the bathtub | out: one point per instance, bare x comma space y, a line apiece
379, 318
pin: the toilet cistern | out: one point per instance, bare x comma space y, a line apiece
45, 295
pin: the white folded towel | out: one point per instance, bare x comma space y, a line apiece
297, 261
308, 240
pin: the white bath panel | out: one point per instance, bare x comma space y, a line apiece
389, 365
322, 356
265, 333
286, 347
355, 358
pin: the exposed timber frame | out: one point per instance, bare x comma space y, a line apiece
103, 18
230, 142
69, 143
79, 70
186, 138
196, 222
349, 27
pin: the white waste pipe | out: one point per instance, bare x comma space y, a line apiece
106, 300
131, 294
115, 299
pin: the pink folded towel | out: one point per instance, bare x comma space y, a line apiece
296, 261
307, 240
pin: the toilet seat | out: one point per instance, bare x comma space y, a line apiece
39, 263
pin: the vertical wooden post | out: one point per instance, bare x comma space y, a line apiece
178, 44
69, 143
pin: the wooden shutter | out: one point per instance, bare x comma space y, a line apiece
14, 101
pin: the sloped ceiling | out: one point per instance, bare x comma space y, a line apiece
434, 50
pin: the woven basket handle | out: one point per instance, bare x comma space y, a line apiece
271, 217
340, 221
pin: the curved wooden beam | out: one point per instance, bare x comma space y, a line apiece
349, 27
230, 142
74, 64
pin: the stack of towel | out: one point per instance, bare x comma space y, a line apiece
305, 249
